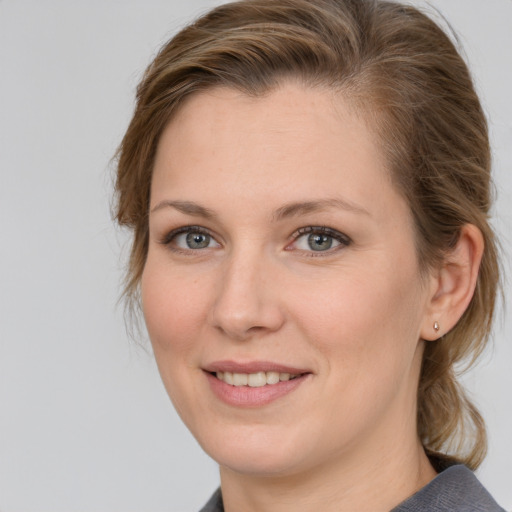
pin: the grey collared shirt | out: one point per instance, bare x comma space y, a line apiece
456, 489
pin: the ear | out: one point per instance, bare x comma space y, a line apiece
453, 285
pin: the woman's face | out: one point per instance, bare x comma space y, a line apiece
279, 249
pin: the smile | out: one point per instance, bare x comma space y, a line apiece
253, 384
255, 380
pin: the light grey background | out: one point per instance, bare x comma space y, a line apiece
85, 424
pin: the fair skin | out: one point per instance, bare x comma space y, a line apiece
279, 244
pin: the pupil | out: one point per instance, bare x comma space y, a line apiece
319, 242
197, 240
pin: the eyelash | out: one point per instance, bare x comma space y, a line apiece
170, 237
342, 239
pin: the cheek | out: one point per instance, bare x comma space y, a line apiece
174, 305
174, 308
369, 323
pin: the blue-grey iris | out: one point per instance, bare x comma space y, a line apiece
197, 240
319, 242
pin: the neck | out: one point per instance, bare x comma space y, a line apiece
374, 481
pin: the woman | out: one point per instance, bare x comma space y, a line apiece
308, 187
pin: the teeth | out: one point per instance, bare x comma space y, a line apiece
272, 377
254, 380
240, 379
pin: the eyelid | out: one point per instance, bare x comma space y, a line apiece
169, 237
343, 239
340, 237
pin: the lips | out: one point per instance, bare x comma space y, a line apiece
253, 367
253, 384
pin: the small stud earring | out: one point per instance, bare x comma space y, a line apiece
436, 326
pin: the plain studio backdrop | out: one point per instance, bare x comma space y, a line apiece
85, 424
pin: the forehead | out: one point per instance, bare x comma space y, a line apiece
294, 141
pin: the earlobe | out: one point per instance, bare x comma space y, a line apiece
454, 284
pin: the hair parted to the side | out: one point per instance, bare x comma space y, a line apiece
405, 76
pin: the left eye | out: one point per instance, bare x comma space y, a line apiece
319, 239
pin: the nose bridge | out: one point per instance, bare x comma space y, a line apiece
245, 303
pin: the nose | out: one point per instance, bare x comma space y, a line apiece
247, 302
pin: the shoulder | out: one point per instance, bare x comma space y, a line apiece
214, 503
455, 489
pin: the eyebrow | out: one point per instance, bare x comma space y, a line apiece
186, 207
303, 208
295, 209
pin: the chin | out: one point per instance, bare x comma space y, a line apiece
255, 451
254, 463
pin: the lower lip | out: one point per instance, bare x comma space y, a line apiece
245, 396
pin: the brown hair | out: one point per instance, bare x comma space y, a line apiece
405, 75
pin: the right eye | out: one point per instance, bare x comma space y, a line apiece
190, 238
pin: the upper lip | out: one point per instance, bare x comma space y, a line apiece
253, 367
